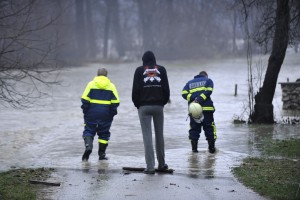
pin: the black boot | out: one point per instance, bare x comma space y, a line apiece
101, 152
194, 145
88, 142
211, 146
86, 155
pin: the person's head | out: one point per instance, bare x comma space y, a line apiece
203, 73
149, 58
102, 72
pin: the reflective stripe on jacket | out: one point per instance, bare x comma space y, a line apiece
100, 98
199, 88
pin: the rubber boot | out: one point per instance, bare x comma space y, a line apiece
194, 145
211, 146
88, 142
101, 151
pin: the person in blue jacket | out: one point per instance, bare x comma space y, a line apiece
199, 90
100, 100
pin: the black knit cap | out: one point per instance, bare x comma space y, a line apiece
149, 58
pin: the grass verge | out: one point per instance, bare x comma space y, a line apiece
14, 184
276, 174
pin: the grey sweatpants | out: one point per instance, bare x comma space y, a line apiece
146, 113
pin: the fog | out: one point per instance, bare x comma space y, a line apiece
76, 31
39, 38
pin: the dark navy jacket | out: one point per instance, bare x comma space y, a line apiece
200, 88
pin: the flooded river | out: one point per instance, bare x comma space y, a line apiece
51, 135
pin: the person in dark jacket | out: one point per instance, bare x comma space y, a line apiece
150, 92
199, 90
100, 100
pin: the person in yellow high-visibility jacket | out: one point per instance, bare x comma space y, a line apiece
100, 101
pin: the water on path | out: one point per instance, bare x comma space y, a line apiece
50, 136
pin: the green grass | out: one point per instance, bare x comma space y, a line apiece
277, 173
14, 184
285, 148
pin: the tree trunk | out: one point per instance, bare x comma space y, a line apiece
145, 9
117, 27
92, 46
263, 108
106, 28
234, 45
80, 26
168, 48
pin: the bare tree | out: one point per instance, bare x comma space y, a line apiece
234, 27
263, 108
92, 45
146, 13
268, 25
81, 28
25, 52
117, 27
107, 27
275, 25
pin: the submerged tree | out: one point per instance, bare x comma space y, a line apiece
263, 108
276, 30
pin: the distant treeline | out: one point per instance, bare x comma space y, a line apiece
91, 30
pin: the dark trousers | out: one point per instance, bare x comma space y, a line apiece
101, 128
208, 125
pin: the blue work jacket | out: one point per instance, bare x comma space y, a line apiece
200, 88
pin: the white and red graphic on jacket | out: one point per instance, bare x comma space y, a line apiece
151, 74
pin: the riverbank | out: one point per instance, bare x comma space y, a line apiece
23, 184
274, 174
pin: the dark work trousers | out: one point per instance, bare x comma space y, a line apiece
208, 125
146, 114
101, 127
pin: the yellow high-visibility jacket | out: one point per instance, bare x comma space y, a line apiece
100, 99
